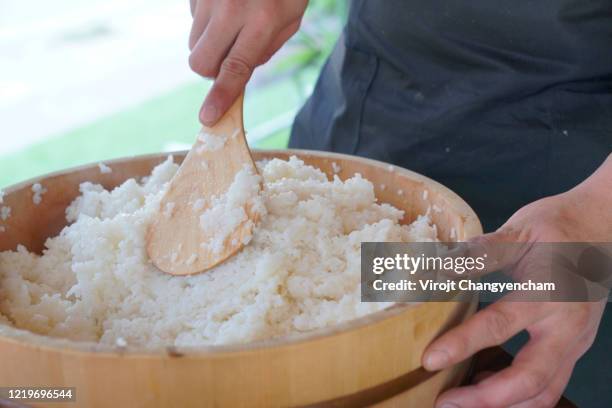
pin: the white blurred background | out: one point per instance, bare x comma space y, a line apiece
64, 63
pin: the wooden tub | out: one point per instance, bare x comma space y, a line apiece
372, 361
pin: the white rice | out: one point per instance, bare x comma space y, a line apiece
104, 169
199, 204
336, 168
169, 210
5, 213
300, 272
38, 191
227, 212
210, 143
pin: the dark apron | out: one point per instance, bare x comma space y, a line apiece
503, 101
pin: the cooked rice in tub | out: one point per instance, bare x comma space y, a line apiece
300, 272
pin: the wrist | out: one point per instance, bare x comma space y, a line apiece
591, 201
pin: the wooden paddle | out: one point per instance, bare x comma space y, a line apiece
175, 238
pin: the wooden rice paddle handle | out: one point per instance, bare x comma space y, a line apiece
174, 238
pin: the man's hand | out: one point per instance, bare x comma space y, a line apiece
559, 333
229, 38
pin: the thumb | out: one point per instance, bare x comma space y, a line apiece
500, 250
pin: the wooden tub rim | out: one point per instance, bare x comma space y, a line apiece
472, 227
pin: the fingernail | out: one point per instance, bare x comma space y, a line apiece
436, 359
209, 114
448, 405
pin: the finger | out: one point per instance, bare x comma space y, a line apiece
279, 41
503, 249
500, 250
531, 372
489, 327
235, 71
192, 6
483, 375
201, 16
213, 46
551, 395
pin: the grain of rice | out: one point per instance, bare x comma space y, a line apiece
198, 205
5, 213
191, 260
336, 168
169, 209
104, 169
38, 191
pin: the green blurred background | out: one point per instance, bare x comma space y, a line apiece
166, 121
